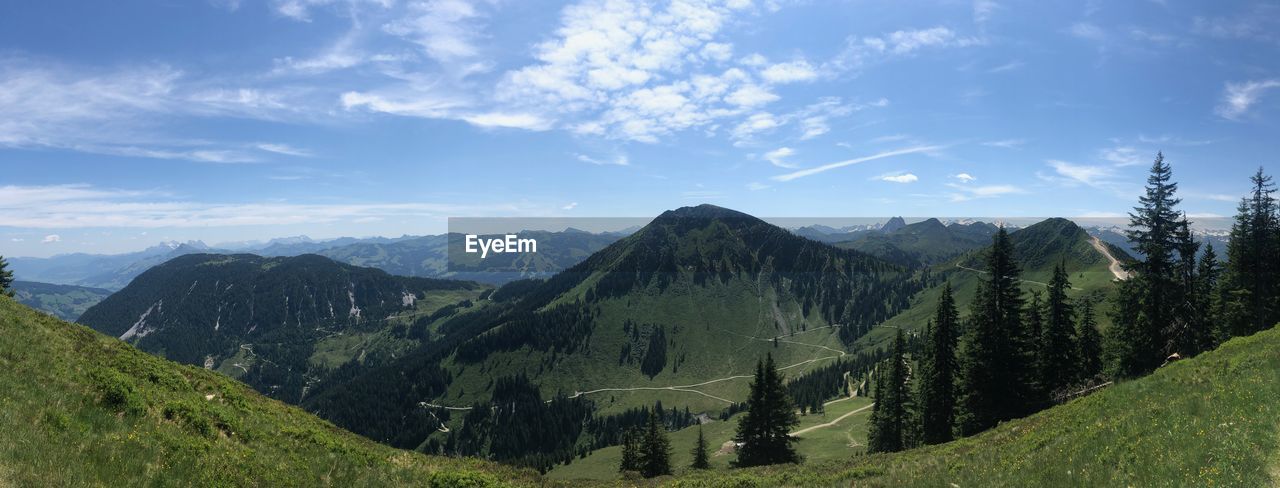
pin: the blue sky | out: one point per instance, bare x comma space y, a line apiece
124, 123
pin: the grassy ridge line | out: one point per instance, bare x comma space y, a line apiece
78, 408
1208, 421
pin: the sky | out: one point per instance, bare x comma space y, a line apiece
129, 122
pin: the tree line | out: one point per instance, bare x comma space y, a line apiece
1018, 353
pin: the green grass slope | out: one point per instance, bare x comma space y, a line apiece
1212, 420
78, 408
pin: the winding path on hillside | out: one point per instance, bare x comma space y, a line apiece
1034, 282
1115, 266
690, 387
831, 423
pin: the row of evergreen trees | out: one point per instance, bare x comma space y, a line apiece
1016, 355
763, 435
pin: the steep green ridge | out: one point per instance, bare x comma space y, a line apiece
80, 408
278, 324
66, 302
923, 243
678, 312
1206, 421
1037, 248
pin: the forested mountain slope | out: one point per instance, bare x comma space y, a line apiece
275, 323
923, 243
66, 302
678, 312
1037, 248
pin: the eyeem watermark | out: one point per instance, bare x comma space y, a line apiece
506, 244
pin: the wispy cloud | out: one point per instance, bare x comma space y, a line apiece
964, 177
898, 177
849, 162
1006, 143
1083, 174
778, 157
84, 206
51, 238
618, 160
971, 192
1237, 98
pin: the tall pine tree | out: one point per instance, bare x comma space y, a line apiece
1251, 281
1058, 362
890, 430
701, 460
1088, 343
1144, 334
764, 431
630, 451
993, 366
935, 394
655, 449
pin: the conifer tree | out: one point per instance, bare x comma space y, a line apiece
891, 429
630, 451
993, 368
1058, 361
1251, 282
1155, 288
1189, 324
1088, 343
764, 431
6, 278
655, 449
701, 460
935, 396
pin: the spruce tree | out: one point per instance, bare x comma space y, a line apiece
876, 438
655, 449
891, 430
1088, 343
764, 431
993, 366
701, 459
1251, 281
6, 278
1058, 361
1189, 324
630, 451
935, 395
1124, 345
1153, 227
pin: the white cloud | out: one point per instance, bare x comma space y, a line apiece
570, 206
445, 30
898, 177
778, 157
964, 177
51, 238
1237, 98
619, 160
750, 96
634, 70
1076, 173
849, 162
284, 149
789, 72
1122, 156
969, 192
756, 123
508, 120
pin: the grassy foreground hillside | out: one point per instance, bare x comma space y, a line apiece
1208, 421
79, 408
